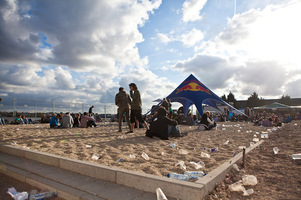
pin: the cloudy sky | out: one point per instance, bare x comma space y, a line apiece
82, 51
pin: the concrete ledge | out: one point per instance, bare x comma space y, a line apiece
101, 172
141, 181
12, 150
13, 172
172, 188
218, 174
45, 158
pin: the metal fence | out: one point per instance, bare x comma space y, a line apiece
11, 106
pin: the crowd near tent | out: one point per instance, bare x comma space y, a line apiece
192, 91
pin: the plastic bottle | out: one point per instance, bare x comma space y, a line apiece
195, 174
160, 194
296, 156
181, 177
43, 195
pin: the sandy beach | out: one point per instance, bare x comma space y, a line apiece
111, 146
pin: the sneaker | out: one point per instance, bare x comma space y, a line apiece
129, 132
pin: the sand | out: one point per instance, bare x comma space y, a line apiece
112, 146
279, 177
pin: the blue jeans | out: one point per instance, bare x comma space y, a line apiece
174, 131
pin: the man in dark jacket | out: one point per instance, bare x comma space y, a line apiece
123, 101
163, 127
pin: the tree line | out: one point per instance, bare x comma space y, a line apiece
254, 100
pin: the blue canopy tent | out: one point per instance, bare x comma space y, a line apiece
192, 91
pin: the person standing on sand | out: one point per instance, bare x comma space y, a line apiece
123, 101
136, 107
90, 110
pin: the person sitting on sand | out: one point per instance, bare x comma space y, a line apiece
18, 120
87, 121
288, 119
207, 121
77, 120
54, 121
267, 122
163, 127
43, 119
67, 121
26, 120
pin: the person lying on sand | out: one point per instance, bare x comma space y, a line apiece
163, 127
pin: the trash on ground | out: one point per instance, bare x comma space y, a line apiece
255, 140
264, 136
88, 146
238, 131
223, 129
173, 145
120, 160
213, 150
43, 195
242, 147
17, 195
198, 165
160, 194
236, 167
226, 143
95, 156
145, 156
275, 149
205, 155
249, 180
182, 164
121, 136
248, 192
183, 152
296, 156
195, 174
131, 157
162, 153
181, 177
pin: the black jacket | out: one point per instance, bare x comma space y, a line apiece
159, 125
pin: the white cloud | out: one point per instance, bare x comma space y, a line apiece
191, 38
257, 51
150, 85
191, 10
163, 38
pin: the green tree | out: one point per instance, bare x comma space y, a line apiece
224, 98
254, 101
231, 98
286, 100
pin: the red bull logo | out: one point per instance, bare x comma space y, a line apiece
193, 87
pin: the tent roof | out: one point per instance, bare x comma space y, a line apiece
274, 105
192, 91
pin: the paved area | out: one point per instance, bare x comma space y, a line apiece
69, 185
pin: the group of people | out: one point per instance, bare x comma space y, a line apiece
67, 121
21, 119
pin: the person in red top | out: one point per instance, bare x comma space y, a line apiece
87, 121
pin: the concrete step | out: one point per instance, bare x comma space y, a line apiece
69, 185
